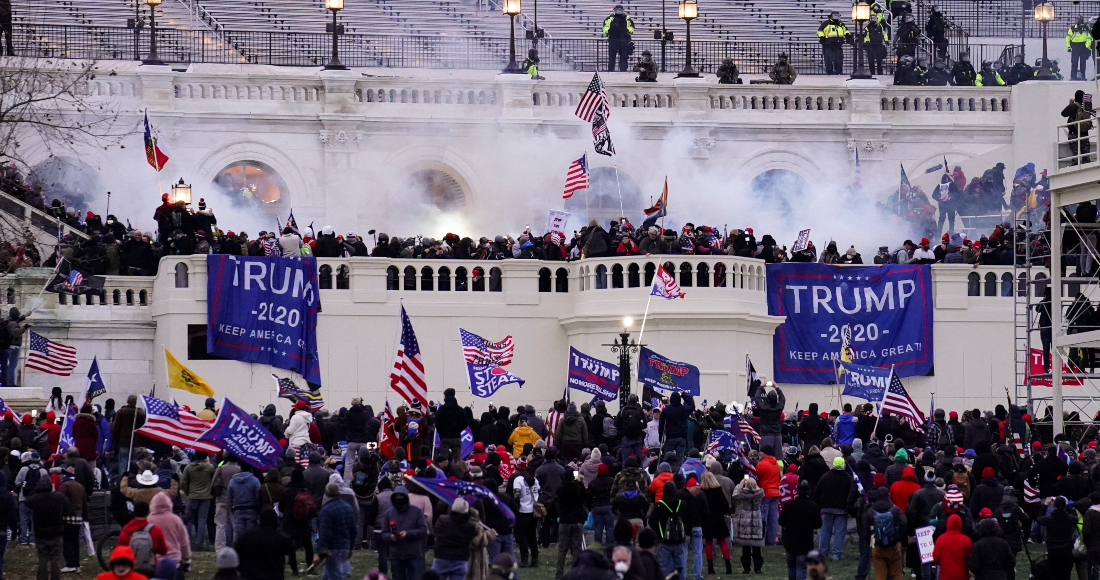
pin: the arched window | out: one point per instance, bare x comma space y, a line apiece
410, 278
544, 280
1041, 287
116, 297
129, 297
444, 279
494, 280
426, 281
10, 295
324, 277
650, 271
392, 278
143, 298
1006, 284
633, 277
617, 276
702, 275
685, 275
973, 284
461, 285
253, 185
1021, 285
720, 275
343, 277
561, 280
478, 279
601, 277
990, 284
181, 275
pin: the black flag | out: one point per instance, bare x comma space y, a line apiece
69, 280
601, 136
752, 379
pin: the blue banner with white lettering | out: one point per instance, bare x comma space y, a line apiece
486, 379
264, 310
467, 437
593, 376
238, 433
666, 374
863, 382
888, 310
66, 440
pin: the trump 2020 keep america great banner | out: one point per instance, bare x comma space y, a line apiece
264, 310
888, 310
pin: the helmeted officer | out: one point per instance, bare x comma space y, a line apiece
907, 38
938, 75
618, 27
963, 72
833, 35
1019, 72
875, 39
936, 29
1079, 45
987, 77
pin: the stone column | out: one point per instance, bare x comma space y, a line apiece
340, 136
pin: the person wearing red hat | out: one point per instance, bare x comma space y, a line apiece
923, 255
988, 493
942, 248
952, 550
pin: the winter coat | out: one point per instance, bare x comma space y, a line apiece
748, 527
921, 504
171, 527
272, 422
453, 534
767, 472
85, 435
588, 470
988, 494
674, 420
832, 490
356, 424
297, 431
243, 491
952, 552
572, 430
126, 420
991, 558
411, 521
845, 429
335, 525
197, 480
901, 491
570, 502
1090, 529
714, 524
1060, 526
813, 467
630, 505
144, 494
521, 435
976, 430
799, 518
770, 408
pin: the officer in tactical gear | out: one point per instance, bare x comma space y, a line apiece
875, 39
531, 65
1019, 72
908, 37
833, 35
1079, 45
782, 72
963, 72
727, 73
906, 73
618, 27
646, 68
987, 77
936, 29
938, 76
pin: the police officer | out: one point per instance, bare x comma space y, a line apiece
963, 72
879, 16
531, 65
908, 37
936, 29
875, 39
906, 73
727, 73
1079, 45
987, 77
1019, 72
938, 76
618, 27
832, 35
647, 69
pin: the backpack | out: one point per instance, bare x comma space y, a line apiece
943, 436
305, 507
962, 481
609, 429
633, 422
34, 472
141, 542
674, 533
886, 533
1010, 523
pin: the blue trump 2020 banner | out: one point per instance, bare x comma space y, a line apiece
238, 433
864, 382
264, 310
664, 373
593, 376
888, 310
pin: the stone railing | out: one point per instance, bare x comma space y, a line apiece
778, 97
947, 99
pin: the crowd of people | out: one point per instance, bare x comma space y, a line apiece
644, 480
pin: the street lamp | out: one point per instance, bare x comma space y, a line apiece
689, 10
152, 59
181, 192
861, 13
335, 64
624, 347
511, 8
1044, 13
664, 35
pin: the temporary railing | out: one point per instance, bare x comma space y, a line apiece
1074, 146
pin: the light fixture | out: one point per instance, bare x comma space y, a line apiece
335, 64
181, 192
511, 8
861, 13
1044, 14
628, 322
153, 58
689, 10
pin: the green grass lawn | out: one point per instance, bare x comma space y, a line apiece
21, 564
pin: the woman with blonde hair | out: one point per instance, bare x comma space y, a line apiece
748, 526
714, 523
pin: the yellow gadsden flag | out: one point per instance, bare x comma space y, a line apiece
180, 377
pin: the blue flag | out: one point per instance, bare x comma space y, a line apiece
238, 433
66, 440
722, 441
693, 467
865, 382
666, 374
450, 489
486, 379
467, 437
593, 375
96, 387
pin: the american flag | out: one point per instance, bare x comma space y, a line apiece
658, 403
74, 280
897, 401
407, 377
50, 357
665, 286
289, 390
553, 418
593, 99
1031, 494
576, 178
1016, 442
166, 422
478, 351
747, 429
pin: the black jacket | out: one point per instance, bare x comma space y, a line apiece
991, 558
770, 408
799, 518
355, 423
673, 424
630, 507
570, 502
832, 490
813, 429
1060, 526
263, 551
450, 420
453, 534
976, 430
988, 494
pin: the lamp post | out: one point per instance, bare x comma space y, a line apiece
689, 10
152, 58
1044, 13
861, 13
537, 34
511, 8
335, 64
664, 35
181, 192
624, 347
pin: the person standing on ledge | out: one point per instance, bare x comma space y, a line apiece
618, 27
1079, 45
833, 35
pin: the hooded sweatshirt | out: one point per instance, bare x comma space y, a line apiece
845, 428
952, 551
160, 546
902, 490
121, 553
171, 527
521, 435
297, 432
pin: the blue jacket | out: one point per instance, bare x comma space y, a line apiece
845, 429
243, 489
335, 525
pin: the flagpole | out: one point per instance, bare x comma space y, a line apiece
883, 401
618, 187
644, 316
